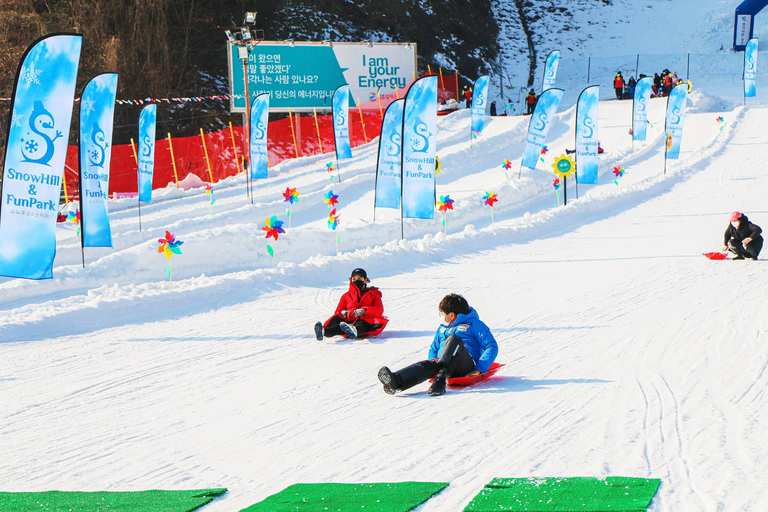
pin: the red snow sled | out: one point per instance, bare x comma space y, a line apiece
716, 256
467, 381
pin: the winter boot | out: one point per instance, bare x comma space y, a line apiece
319, 331
407, 377
349, 330
438, 385
391, 381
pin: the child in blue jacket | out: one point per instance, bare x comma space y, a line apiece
463, 346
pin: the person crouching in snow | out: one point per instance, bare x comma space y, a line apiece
742, 237
463, 346
359, 312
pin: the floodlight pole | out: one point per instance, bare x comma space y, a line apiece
243, 50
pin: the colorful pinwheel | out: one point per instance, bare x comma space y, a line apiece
273, 228
74, 218
631, 132
330, 167
721, 122
331, 199
168, 247
506, 165
333, 219
445, 203
543, 152
556, 184
209, 192
618, 172
490, 198
291, 196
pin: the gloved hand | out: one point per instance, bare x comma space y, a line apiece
359, 312
344, 313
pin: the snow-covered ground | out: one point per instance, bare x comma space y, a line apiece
627, 352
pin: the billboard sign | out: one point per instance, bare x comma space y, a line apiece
304, 75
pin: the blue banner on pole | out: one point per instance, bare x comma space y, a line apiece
586, 135
97, 113
388, 167
538, 127
479, 104
147, 123
675, 117
640, 108
36, 148
259, 123
340, 105
550, 70
750, 68
419, 149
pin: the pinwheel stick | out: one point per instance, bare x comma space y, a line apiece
290, 207
491, 215
445, 222
170, 274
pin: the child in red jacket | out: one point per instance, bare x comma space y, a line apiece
359, 312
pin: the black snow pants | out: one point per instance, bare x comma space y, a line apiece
455, 360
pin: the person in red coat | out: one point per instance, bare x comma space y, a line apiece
359, 312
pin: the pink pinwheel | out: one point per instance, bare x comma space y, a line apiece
169, 245
445, 203
333, 219
490, 198
331, 199
291, 196
273, 228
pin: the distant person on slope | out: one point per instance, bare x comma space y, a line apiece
510, 109
530, 101
742, 237
467, 93
360, 311
493, 109
618, 85
463, 346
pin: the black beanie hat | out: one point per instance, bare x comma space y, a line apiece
359, 272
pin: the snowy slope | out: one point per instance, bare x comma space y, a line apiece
627, 352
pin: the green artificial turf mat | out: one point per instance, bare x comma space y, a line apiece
140, 501
582, 494
380, 497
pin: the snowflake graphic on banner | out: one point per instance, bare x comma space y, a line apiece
16, 119
88, 106
31, 75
